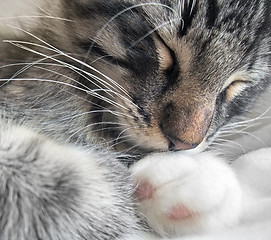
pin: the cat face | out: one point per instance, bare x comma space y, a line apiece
165, 75
185, 68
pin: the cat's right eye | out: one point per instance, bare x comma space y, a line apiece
167, 60
164, 55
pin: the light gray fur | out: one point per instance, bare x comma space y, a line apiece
57, 191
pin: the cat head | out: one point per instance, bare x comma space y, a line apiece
180, 70
165, 75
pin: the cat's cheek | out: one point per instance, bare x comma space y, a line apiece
182, 194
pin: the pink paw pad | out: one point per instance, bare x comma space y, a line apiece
179, 213
144, 191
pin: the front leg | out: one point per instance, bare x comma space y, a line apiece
51, 191
181, 194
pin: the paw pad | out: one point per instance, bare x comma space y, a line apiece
179, 212
144, 191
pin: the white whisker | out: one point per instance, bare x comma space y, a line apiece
130, 149
255, 137
249, 121
52, 48
193, 6
63, 75
118, 114
95, 124
155, 29
73, 68
233, 143
37, 16
120, 13
90, 92
123, 131
126, 139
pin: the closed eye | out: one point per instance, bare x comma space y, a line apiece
234, 89
165, 56
234, 85
173, 71
168, 63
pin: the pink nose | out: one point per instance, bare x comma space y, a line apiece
176, 144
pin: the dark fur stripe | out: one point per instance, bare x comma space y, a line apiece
97, 50
187, 16
212, 13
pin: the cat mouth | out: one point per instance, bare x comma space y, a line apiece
139, 150
183, 130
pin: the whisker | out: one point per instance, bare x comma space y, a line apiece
54, 81
255, 137
155, 29
95, 124
123, 131
72, 86
118, 114
50, 64
100, 58
92, 103
18, 44
38, 16
120, 13
13, 65
70, 67
63, 75
193, 6
126, 139
233, 143
92, 92
106, 128
29, 65
130, 149
249, 121
75, 60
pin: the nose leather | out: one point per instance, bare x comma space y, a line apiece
177, 144
186, 127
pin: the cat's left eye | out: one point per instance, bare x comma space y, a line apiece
234, 86
234, 89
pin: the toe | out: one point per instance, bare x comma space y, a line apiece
179, 212
144, 191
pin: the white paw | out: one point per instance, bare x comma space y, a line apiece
180, 194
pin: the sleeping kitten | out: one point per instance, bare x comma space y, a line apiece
90, 86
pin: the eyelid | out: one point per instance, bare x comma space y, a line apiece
234, 89
235, 85
165, 56
234, 78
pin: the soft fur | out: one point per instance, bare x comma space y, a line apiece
88, 87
